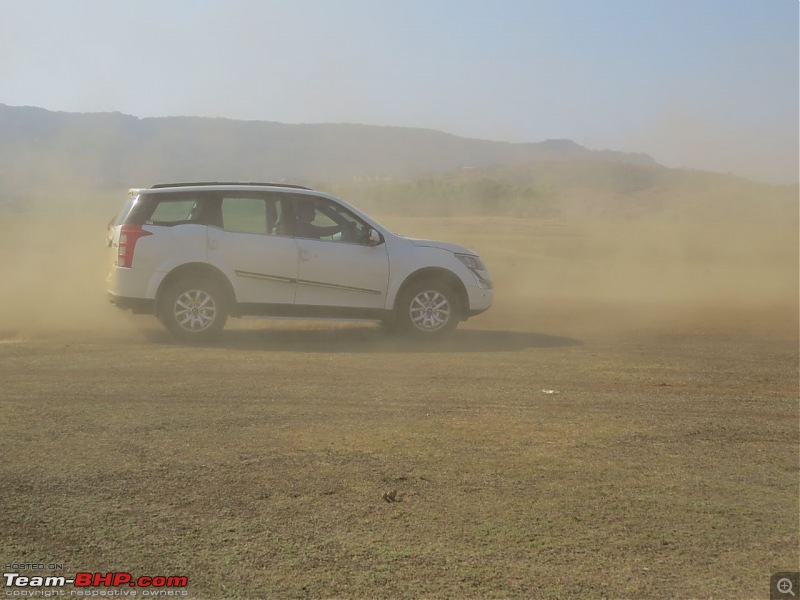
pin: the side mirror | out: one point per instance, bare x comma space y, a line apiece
374, 238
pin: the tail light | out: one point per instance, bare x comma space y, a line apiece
128, 236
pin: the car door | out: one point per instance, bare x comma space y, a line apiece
246, 244
337, 268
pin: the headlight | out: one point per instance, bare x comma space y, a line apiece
475, 264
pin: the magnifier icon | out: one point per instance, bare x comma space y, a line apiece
784, 586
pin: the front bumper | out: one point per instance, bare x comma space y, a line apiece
480, 300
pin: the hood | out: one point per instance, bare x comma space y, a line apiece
442, 246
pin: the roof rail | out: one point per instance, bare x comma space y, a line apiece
202, 183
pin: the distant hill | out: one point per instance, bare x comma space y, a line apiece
582, 189
69, 161
42, 150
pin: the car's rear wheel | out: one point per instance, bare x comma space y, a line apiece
428, 309
194, 309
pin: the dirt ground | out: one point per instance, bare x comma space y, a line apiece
623, 423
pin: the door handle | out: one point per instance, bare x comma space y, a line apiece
212, 244
304, 254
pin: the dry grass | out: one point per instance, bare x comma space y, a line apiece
665, 466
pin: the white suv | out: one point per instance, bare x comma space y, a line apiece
195, 253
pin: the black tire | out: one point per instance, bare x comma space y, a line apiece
194, 309
427, 309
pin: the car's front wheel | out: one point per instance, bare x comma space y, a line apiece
194, 309
428, 309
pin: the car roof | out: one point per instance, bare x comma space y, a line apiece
226, 184
215, 185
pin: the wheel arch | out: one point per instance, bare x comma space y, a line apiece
438, 274
199, 270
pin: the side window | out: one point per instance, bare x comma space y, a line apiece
251, 214
320, 219
323, 218
171, 211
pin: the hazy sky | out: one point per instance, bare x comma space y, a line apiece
709, 84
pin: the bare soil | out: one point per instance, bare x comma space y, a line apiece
623, 423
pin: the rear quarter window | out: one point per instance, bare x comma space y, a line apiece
173, 212
168, 210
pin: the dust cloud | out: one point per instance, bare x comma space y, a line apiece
562, 277
600, 277
53, 270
